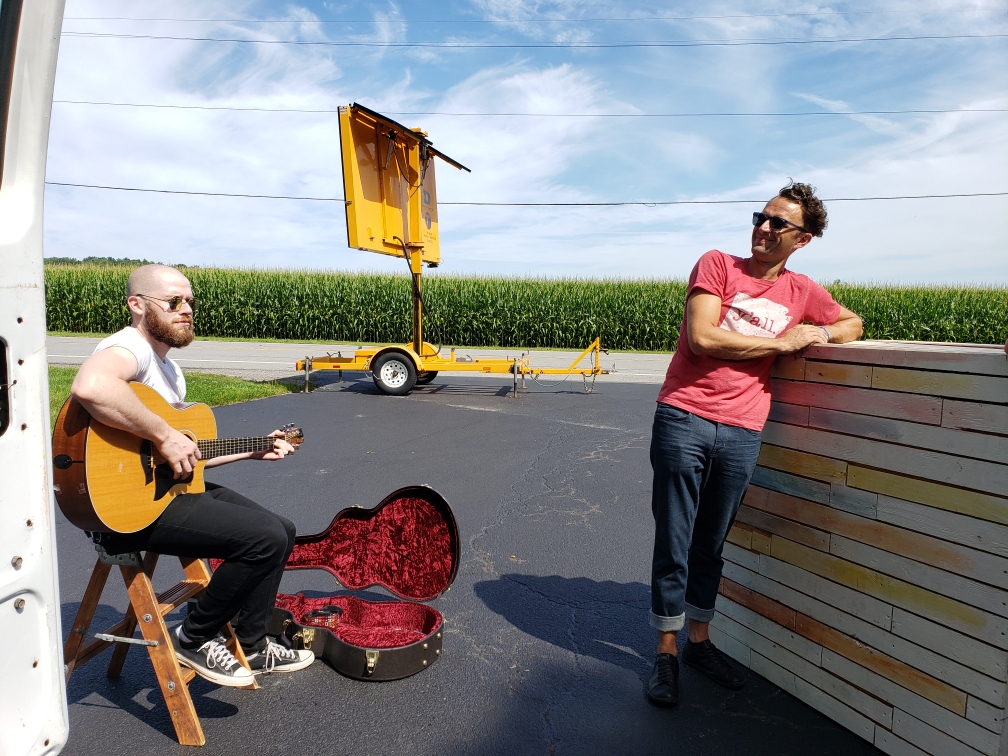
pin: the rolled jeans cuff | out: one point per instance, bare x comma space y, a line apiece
668, 624
699, 615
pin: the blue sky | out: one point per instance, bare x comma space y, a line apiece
548, 158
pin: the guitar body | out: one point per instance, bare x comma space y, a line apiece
109, 480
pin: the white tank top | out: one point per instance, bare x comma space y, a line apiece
164, 376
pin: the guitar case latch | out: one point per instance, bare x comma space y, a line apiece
372, 661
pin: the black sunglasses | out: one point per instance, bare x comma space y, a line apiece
776, 224
174, 303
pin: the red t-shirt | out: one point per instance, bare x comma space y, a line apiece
737, 392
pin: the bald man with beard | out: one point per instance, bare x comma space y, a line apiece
253, 542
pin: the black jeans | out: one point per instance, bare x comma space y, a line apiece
701, 471
221, 524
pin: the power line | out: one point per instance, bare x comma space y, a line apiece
543, 45
526, 204
537, 115
541, 20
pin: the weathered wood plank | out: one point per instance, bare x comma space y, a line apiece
844, 374
963, 443
774, 673
941, 667
992, 662
789, 366
758, 603
882, 664
799, 462
789, 413
840, 596
740, 535
987, 716
966, 619
973, 503
945, 722
733, 553
891, 745
736, 649
977, 388
789, 639
803, 488
950, 526
981, 566
957, 587
977, 474
770, 523
865, 401
853, 500
983, 359
835, 710
986, 418
761, 541
925, 736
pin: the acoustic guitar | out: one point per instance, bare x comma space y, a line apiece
109, 480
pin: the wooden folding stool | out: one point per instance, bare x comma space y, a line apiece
150, 608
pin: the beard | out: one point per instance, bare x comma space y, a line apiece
160, 326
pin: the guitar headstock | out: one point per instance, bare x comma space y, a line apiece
293, 435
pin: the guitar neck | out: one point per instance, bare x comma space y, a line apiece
222, 447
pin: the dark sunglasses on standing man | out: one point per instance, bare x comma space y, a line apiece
174, 303
776, 223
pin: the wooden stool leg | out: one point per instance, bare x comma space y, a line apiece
85, 613
119, 654
166, 666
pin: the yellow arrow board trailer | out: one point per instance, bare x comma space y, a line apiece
391, 209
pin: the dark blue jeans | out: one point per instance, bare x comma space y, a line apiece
701, 471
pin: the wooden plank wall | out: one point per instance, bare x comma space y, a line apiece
867, 570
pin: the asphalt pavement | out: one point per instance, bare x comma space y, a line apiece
547, 645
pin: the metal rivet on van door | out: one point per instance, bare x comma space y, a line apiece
19, 605
16, 562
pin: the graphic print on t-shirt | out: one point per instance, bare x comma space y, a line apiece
756, 317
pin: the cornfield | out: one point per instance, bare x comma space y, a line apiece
488, 311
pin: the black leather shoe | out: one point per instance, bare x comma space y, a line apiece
706, 658
663, 685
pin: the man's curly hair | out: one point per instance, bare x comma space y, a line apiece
813, 210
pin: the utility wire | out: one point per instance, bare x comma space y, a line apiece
544, 45
540, 20
525, 204
536, 115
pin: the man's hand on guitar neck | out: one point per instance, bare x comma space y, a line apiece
280, 450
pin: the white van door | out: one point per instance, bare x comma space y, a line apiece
33, 708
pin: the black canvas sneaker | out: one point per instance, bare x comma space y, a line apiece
663, 685
706, 658
277, 658
212, 661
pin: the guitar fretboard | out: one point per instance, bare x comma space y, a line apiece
222, 447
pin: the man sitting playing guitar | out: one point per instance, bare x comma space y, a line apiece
253, 542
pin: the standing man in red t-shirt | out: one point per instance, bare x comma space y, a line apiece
740, 314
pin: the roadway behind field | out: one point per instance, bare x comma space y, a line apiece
547, 643
263, 361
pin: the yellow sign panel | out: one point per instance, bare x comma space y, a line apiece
388, 182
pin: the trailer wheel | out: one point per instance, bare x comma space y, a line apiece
394, 373
425, 378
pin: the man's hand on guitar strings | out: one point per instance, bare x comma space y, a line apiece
180, 452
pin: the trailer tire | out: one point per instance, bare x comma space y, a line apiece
424, 378
394, 373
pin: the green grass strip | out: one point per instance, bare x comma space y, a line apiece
207, 388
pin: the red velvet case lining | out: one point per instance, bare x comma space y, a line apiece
370, 624
404, 544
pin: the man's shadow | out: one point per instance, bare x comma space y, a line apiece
602, 619
136, 691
